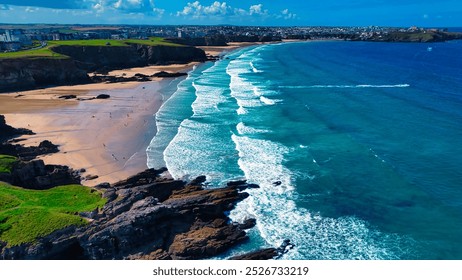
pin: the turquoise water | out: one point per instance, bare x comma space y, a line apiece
355, 145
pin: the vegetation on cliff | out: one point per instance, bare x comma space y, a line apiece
48, 51
26, 215
6, 163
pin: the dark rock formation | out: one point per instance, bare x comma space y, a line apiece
28, 153
103, 59
163, 74
36, 175
147, 217
162, 55
94, 58
29, 173
25, 73
7, 131
263, 254
267, 253
103, 96
69, 96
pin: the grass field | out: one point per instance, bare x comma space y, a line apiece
26, 215
48, 50
6, 163
39, 53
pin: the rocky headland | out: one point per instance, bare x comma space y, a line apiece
147, 216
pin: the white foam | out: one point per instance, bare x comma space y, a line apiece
268, 101
241, 111
241, 89
278, 216
254, 69
243, 129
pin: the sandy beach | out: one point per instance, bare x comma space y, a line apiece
108, 138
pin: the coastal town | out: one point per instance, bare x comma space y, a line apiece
22, 37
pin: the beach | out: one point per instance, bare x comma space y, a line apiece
107, 138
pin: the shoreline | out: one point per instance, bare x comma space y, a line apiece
107, 138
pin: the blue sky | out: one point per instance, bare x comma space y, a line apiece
238, 12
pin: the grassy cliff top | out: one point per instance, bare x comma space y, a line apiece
26, 215
49, 53
6, 163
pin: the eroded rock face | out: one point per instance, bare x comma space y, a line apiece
148, 217
23, 73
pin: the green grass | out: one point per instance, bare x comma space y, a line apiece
26, 215
48, 52
6, 163
45, 52
154, 41
89, 43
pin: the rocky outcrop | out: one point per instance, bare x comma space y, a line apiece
26, 73
147, 217
267, 253
263, 254
28, 153
9, 131
163, 74
28, 172
36, 175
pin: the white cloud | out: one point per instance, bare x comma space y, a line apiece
257, 10
286, 14
196, 10
124, 6
98, 7
220, 9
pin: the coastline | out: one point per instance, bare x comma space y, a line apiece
107, 138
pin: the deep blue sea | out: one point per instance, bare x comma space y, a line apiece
357, 146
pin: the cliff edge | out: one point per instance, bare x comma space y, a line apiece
32, 72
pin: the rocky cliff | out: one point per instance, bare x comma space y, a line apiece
93, 58
29, 73
168, 55
148, 217
26, 73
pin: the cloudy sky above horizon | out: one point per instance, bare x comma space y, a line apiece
440, 13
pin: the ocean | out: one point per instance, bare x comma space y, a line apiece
356, 146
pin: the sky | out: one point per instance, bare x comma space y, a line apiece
403, 13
